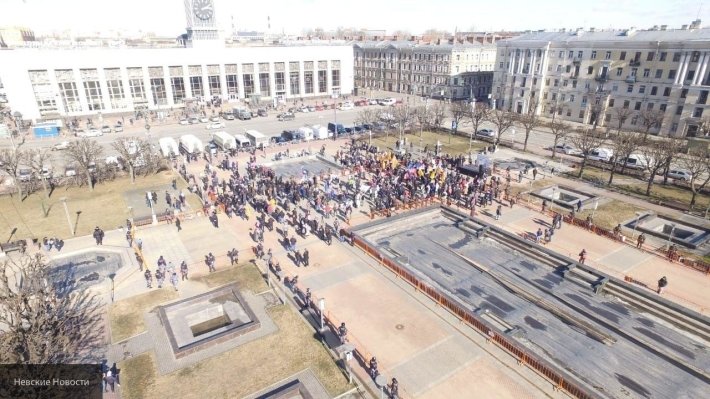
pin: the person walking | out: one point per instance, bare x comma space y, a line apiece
582, 256
499, 212
110, 382
538, 236
342, 333
174, 280
148, 278
178, 224
183, 270
534, 171
305, 257
159, 278
640, 241
662, 283
307, 300
129, 238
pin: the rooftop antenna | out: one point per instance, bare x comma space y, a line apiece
700, 7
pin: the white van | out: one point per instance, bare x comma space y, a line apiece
319, 132
168, 147
224, 141
257, 139
601, 154
190, 144
242, 141
306, 133
636, 161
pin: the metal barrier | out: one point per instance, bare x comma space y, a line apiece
523, 356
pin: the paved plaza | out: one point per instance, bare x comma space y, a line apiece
426, 348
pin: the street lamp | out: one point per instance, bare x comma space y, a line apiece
596, 204
66, 211
552, 198
638, 216
670, 236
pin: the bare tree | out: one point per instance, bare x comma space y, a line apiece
403, 117
39, 161
10, 161
131, 151
586, 141
559, 130
621, 115
152, 161
368, 116
477, 115
673, 148
697, 162
530, 121
650, 119
46, 317
424, 117
84, 153
503, 120
555, 107
458, 111
438, 111
623, 145
704, 126
654, 153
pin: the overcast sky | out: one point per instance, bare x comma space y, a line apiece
167, 17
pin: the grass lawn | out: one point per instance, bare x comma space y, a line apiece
256, 365
105, 206
610, 214
659, 192
126, 316
246, 275
457, 144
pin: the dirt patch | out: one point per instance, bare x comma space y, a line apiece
126, 315
258, 364
246, 275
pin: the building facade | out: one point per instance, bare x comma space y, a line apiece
53, 83
604, 78
453, 72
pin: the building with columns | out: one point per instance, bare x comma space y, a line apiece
46, 84
447, 71
600, 78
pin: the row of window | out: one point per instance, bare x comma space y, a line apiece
69, 93
403, 56
636, 56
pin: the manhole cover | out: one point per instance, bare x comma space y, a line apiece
399, 326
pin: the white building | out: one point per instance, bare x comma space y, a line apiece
656, 80
46, 84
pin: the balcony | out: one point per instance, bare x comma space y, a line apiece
630, 79
577, 61
601, 78
634, 63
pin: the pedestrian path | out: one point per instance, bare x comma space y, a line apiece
687, 287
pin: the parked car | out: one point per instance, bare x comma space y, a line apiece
215, 125
118, 128
600, 154
228, 117
184, 121
24, 175
280, 139
304, 109
486, 133
388, 101
193, 121
372, 101
567, 149
60, 146
105, 129
346, 106
214, 119
90, 133
262, 112
70, 171
680, 174
286, 116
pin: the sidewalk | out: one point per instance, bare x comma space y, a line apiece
687, 287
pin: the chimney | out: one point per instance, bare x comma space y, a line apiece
684, 27
664, 27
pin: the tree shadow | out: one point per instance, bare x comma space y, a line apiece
76, 223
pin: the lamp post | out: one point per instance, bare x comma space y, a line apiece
321, 309
670, 236
552, 198
596, 204
152, 206
66, 211
638, 216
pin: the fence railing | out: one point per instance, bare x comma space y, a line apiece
523, 356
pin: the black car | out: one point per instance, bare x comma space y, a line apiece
290, 135
279, 139
262, 112
286, 116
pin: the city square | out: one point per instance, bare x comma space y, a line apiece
355, 213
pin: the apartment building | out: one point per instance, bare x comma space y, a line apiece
447, 71
597, 77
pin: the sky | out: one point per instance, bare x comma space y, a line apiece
167, 17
